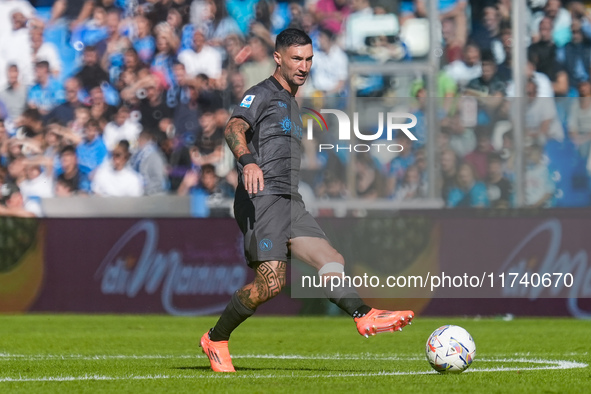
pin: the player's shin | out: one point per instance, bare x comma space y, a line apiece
340, 291
234, 314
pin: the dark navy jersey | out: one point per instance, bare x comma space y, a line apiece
275, 135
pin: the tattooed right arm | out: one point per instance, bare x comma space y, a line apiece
235, 134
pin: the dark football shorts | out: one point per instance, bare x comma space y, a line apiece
268, 222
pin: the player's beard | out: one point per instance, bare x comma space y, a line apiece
298, 80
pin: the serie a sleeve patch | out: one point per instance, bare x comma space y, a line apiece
247, 101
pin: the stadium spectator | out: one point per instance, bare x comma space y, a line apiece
114, 178
91, 74
166, 45
153, 107
448, 9
329, 73
539, 186
236, 53
65, 112
561, 19
7, 9
541, 117
143, 42
487, 37
332, 13
15, 46
499, 188
542, 82
31, 123
462, 140
453, 47
178, 93
398, 165
99, 108
478, 158
543, 54
92, 150
579, 116
449, 165
71, 171
575, 57
113, 59
81, 117
411, 186
332, 187
465, 70
178, 158
370, 183
122, 127
14, 97
208, 148
64, 187
186, 115
150, 163
205, 182
505, 71
218, 24
16, 167
468, 192
47, 93
489, 83
236, 90
43, 50
202, 58
53, 141
12, 203
37, 183
74, 13
260, 63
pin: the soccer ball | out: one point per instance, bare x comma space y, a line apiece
450, 349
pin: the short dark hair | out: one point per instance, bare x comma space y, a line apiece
93, 123
292, 37
208, 168
43, 64
68, 149
32, 114
123, 144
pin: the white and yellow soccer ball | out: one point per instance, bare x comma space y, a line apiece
450, 349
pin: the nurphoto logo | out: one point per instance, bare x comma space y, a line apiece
394, 121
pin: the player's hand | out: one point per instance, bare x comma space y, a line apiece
253, 178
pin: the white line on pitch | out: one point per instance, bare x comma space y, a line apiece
557, 366
551, 365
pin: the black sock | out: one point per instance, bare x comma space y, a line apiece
348, 300
234, 314
361, 311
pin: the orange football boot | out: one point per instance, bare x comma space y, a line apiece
377, 321
218, 354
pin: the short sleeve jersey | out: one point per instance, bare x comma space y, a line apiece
275, 135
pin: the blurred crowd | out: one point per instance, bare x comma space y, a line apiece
130, 97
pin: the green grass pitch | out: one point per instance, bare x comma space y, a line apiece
104, 353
